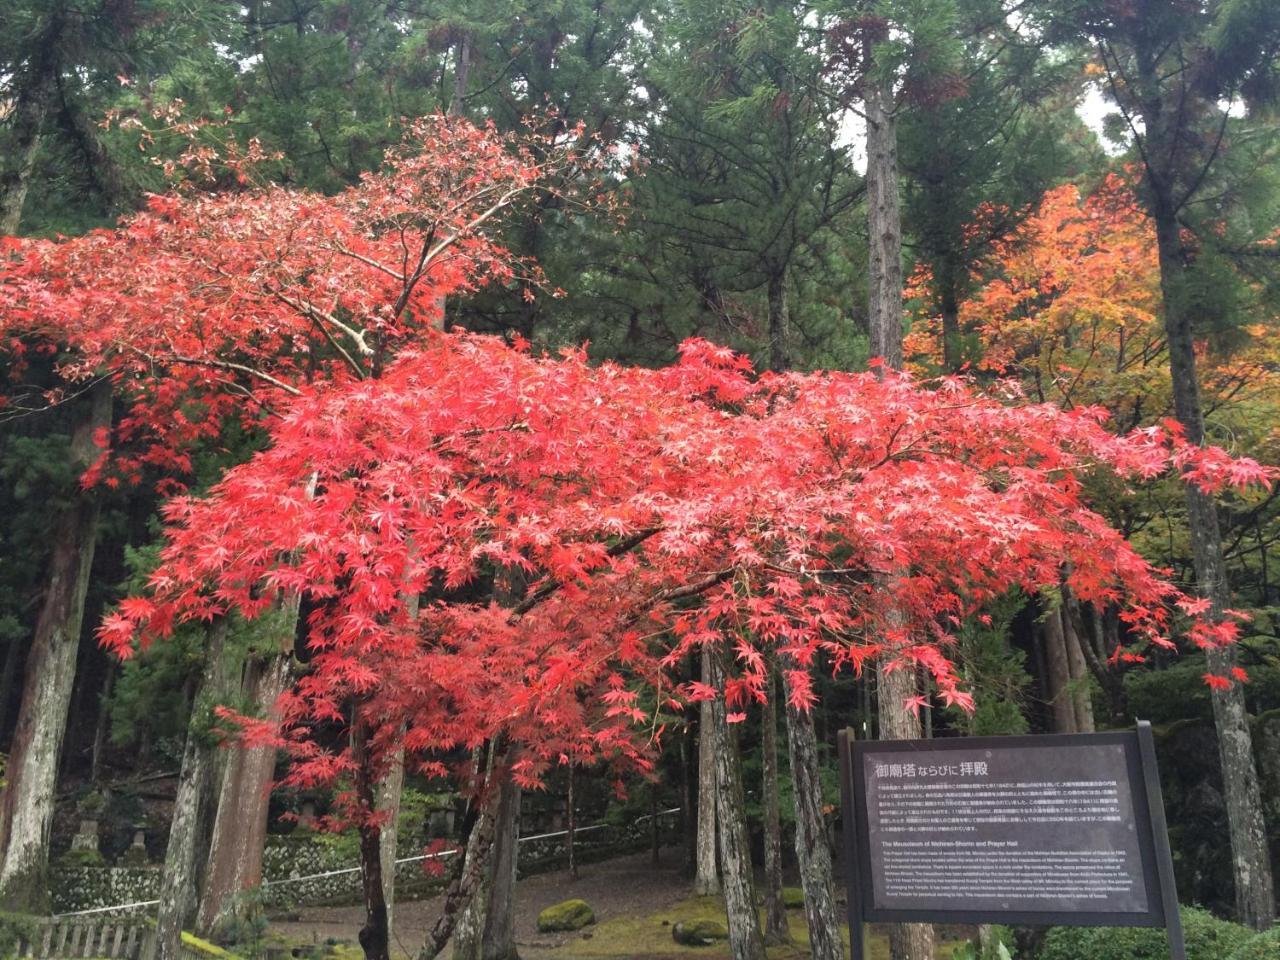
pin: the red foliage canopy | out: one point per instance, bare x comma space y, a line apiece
206, 307
649, 512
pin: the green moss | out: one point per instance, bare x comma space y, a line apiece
650, 937
204, 947
81, 858
569, 915
14, 929
699, 933
793, 898
346, 951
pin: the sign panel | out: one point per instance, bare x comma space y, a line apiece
1015, 830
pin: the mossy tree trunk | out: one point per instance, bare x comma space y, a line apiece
485, 929
812, 850
26, 808
775, 928
909, 941
706, 879
746, 942
234, 864
181, 880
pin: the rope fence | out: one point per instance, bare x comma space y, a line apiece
347, 871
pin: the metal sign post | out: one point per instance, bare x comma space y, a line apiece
1026, 831
857, 929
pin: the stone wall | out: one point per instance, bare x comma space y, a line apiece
315, 869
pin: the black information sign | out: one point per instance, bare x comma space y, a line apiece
1014, 830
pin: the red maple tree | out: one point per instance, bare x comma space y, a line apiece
209, 307
650, 512
647, 512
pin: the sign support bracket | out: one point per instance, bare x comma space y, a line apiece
1160, 834
853, 893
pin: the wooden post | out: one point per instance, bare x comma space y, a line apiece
857, 929
1160, 834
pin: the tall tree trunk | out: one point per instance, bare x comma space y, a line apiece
35, 91
1091, 629
461, 75
26, 809
907, 941
375, 935
388, 794
884, 220
655, 835
107, 176
775, 927
1251, 864
100, 723
952, 349
745, 939
468, 882
181, 879
1061, 701
388, 800
499, 942
706, 880
486, 930
812, 850
1078, 668
779, 321
234, 864
571, 827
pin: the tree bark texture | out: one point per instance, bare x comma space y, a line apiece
461, 76
813, 853
1078, 669
26, 808
179, 885
1058, 677
884, 222
571, 826
486, 930
100, 723
466, 884
745, 939
952, 348
499, 940
387, 798
779, 322
907, 941
35, 85
706, 881
775, 927
240, 826
375, 934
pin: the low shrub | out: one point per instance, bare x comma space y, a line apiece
1207, 937
1262, 946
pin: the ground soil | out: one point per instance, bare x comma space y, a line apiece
628, 886
636, 902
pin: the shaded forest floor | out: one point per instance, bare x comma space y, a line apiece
636, 904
